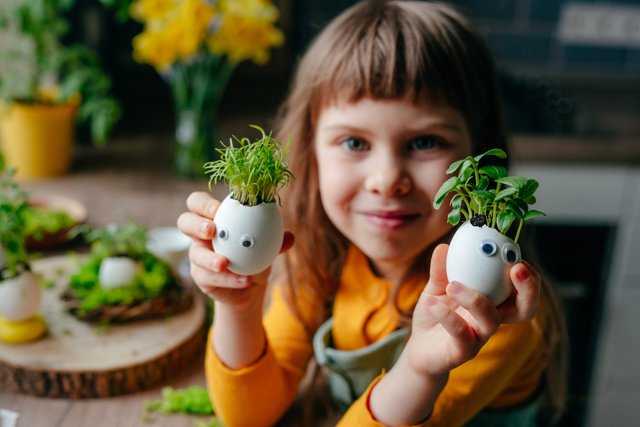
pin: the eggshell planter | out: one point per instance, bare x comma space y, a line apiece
480, 258
117, 271
250, 237
20, 297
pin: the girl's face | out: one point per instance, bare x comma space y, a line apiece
380, 164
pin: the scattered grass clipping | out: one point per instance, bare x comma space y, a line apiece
191, 400
253, 171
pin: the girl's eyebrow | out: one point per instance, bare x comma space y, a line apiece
440, 124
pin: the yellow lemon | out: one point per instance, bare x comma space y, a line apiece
21, 332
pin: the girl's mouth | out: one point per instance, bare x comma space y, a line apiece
390, 219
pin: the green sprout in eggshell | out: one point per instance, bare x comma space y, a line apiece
486, 195
254, 171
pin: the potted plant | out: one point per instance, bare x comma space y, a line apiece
249, 229
19, 287
494, 207
45, 86
122, 280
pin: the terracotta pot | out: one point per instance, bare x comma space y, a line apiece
37, 139
250, 237
480, 258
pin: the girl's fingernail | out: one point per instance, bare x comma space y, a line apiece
243, 280
455, 288
523, 273
204, 228
215, 263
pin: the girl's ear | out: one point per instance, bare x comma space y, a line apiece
287, 241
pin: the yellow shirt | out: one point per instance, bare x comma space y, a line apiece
504, 373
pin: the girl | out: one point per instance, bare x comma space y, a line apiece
387, 96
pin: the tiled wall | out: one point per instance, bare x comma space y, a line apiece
519, 32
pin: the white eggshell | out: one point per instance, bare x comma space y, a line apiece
258, 227
469, 265
20, 297
117, 271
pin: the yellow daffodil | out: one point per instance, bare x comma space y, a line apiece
152, 10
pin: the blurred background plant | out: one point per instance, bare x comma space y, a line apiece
195, 45
37, 68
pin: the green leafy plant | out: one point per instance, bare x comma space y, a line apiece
485, 195
38, 68
116, 240
119, 240
13, 202
40, 221
254, 172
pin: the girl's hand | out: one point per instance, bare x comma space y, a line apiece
209, 269
451, 322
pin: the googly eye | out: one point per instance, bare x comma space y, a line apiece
510, 253
223, 233
247, 241
488, 247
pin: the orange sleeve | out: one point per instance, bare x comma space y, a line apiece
477, 384
260, 394
514, 350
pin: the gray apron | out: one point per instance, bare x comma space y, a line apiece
351, 372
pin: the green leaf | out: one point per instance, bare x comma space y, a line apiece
484, 194
483, 184
454, 217
505, 219
533, 214
494, 172
444, 190
528, 188
513, 181
496, 152
454, 166
456, 201
509, 191
465, 175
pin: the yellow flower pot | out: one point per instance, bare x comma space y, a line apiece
37, 139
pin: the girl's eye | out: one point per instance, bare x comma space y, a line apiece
488, 247
511, 253
223, 234
247, 241
354, 144
426, 142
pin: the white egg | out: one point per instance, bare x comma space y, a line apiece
20, 297
480, 258
117, 271
249, 237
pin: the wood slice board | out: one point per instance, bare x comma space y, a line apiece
82, 360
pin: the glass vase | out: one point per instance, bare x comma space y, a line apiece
195, 137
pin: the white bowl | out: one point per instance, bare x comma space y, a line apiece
169, 244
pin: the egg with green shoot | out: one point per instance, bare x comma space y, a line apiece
249, 227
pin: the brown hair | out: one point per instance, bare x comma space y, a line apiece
382, 50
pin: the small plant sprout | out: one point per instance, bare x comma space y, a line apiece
19, 287
249, 229
478, 201
254, 172
481, 251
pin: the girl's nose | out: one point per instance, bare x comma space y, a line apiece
389, 179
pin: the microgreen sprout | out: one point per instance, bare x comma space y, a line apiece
116, 240
487, 196
13, 203
254, 171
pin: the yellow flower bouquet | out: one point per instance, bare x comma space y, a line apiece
195, 45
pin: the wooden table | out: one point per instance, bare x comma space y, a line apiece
129, 180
